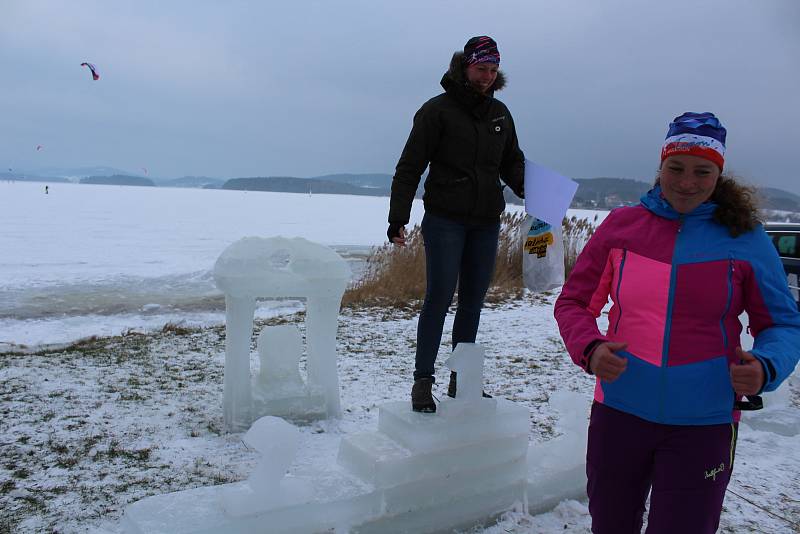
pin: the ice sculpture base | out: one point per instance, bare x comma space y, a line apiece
338, 502
298, 405
418, 473
784, 421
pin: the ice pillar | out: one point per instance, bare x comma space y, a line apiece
322, 314
238, 332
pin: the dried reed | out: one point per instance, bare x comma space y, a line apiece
395, 276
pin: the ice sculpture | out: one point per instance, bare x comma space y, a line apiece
268, 486
779, 415
417, 473
557, 468
269, 501
455, 468
277, 267
467, 361
279, 389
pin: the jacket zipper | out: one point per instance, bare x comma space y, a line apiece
474, 178
619, 284
668, 324
728, 302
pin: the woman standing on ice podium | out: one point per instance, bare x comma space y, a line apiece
468, 138
680, 268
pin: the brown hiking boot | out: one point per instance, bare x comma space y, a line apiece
451, 387
421, 396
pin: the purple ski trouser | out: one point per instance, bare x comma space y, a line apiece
685, 468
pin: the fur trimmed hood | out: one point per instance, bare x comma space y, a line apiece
456, 73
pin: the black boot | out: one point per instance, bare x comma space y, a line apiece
421, 396
451, 387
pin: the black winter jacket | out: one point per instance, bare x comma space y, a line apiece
470, 143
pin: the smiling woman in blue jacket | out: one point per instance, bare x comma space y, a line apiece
680, 269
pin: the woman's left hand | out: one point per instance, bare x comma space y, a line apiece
747, 376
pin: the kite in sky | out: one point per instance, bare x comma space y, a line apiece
145, 170
39, 147
92, 68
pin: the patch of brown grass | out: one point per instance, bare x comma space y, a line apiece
576, 233
395, 276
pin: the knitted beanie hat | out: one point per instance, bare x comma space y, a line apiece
696, 134
482, 49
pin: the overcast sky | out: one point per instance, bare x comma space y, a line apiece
234, 89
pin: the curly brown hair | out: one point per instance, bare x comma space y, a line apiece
737, 204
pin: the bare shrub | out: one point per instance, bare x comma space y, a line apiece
395, 276
177, 329
576, 233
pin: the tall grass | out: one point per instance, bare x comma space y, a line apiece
576, 233
395, 276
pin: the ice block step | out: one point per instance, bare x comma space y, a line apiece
461, 485
783, 421
461, 514
556, 471
383, 462
544, 493
428, 432
199, 511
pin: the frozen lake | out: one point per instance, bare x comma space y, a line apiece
96, 260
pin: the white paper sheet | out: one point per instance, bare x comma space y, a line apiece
547, 193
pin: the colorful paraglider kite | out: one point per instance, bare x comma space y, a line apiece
92, 68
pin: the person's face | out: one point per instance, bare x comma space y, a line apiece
687, 181
481, 76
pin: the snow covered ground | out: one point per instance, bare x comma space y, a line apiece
87, 428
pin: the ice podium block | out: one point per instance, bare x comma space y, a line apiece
417, 473
458, 467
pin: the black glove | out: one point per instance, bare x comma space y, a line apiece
393, 231
521, 192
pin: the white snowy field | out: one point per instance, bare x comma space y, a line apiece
97, 260
89, 428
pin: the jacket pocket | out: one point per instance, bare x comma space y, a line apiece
450, 193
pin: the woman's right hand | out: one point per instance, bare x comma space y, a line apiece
606, 365
397, 234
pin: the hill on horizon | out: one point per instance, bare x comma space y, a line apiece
599, 192
289, 184
191, 181
118, 179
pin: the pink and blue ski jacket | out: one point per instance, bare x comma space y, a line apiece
678, 283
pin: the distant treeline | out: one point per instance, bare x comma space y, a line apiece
602, 193
118, 179
288, 184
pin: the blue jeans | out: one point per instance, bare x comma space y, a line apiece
454, 252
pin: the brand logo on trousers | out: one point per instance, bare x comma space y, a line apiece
712, 474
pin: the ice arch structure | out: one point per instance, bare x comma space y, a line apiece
277, 267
